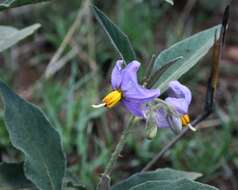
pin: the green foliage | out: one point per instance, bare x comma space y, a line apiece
194, 152
31, 133
119, 40
141, 34
4, 139
160, 174
192, 49
10, 36
19, 181
68, 108
72, 183
173, 185
168, 179
85, 132
16, 3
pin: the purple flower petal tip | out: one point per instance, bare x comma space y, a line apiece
177, 90
179, 97
116, 76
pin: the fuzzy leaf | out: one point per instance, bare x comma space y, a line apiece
192, 49
181, 184
32, 134
118, 39
12, 177
160, 174
72, 182
10, 36
16, 3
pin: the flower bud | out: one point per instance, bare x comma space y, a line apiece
151, 132
151, 127
175, 124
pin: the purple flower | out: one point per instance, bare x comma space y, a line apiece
179, 99
127, 90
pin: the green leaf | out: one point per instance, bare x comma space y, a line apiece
10, 36
19, 181
31, 133
192, 49
160, 174
72, 182
16, 3
118, 39
182, 184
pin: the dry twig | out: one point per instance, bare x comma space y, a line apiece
52, 66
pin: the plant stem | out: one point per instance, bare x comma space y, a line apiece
104, 183
173, 142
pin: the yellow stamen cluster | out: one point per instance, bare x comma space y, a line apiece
185, 120
112, 98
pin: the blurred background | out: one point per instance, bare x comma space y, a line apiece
82, 77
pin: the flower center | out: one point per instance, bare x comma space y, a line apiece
185, 120
112, 98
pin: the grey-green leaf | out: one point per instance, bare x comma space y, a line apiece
10, 36
31, 133
160, 174
182, 184
72, 182
16, 3
192, 49
12, 177
118, 39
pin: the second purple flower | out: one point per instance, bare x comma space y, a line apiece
178, 100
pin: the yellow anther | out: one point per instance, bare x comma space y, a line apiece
186, 122
185, 119
112, 98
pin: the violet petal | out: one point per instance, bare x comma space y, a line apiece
178, 104
175, 124
161, 118
116, 77
177, 90
135, 108
131, 89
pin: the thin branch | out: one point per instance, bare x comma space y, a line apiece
84, 56
50, 68
91, 42
170, 145
104, 183
187, 9
66, 58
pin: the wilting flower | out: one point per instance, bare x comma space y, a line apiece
178, 100
127, 90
